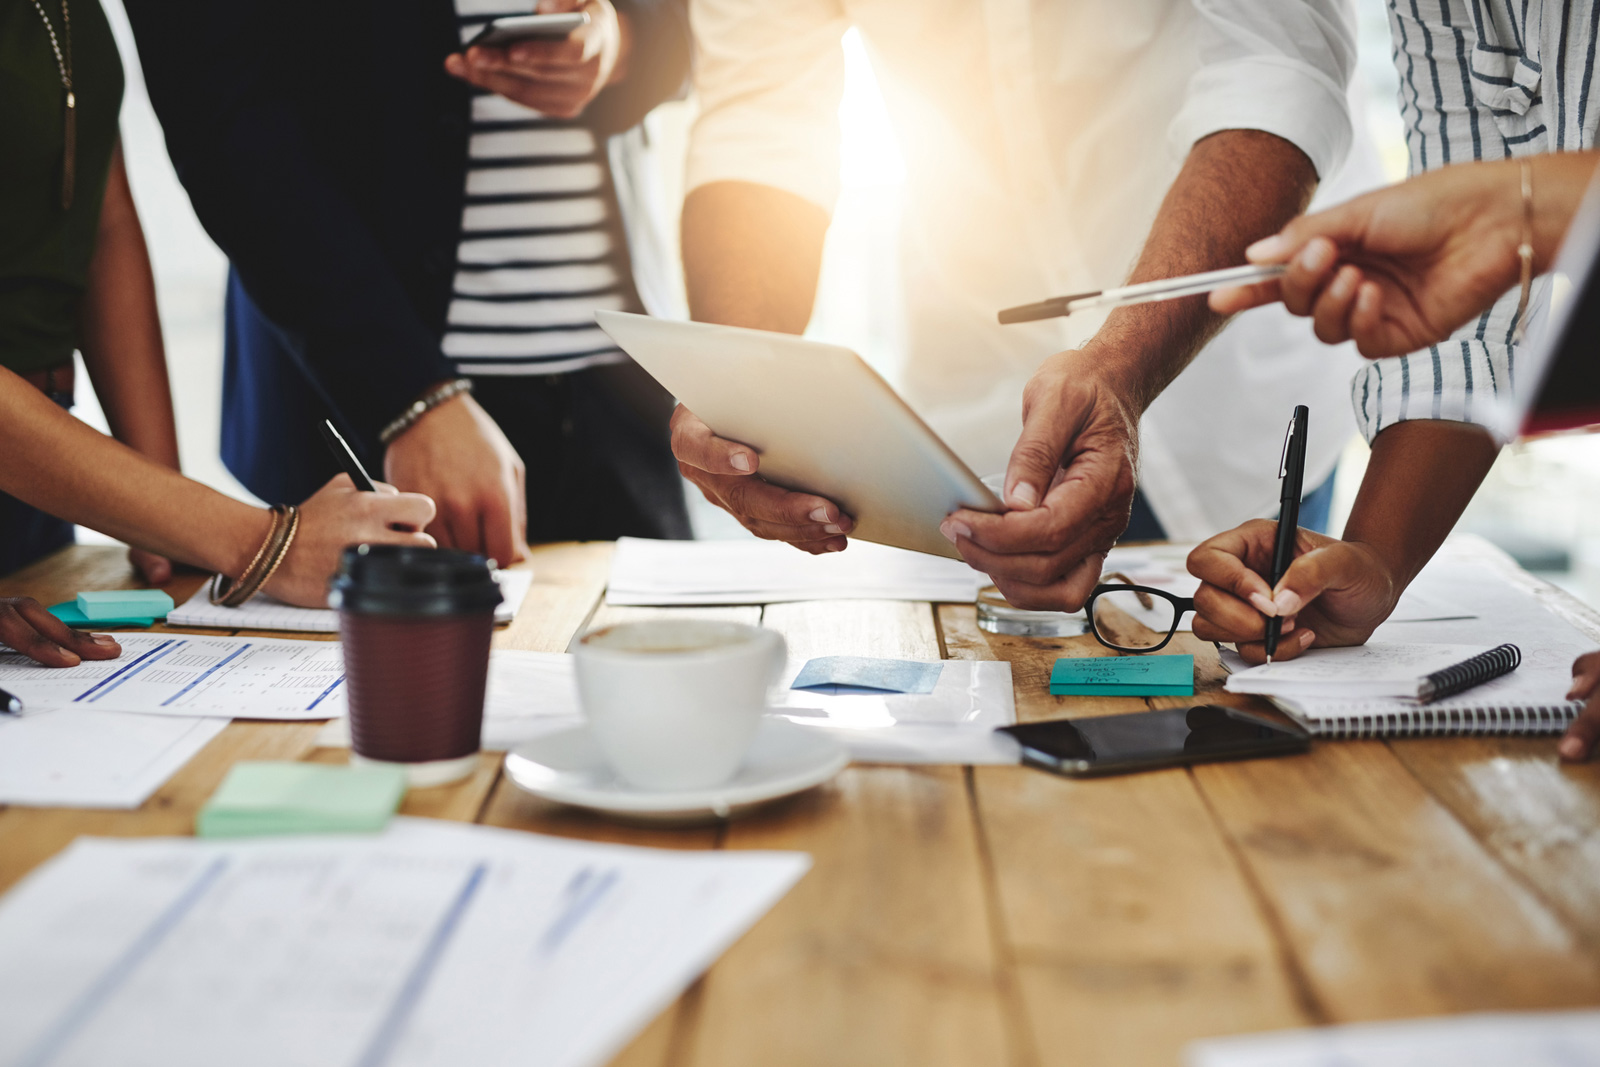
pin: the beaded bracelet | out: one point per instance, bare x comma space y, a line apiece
421, 406
229, 593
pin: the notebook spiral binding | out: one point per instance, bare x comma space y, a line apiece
1460, 722
1502, 659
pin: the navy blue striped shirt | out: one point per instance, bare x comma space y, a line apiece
1480, 79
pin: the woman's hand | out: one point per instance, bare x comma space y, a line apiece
1334, 593
340, 515
26, 626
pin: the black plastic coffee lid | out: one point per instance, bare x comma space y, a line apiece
403, 580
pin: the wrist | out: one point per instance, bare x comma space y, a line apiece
433, 398
1115, 371
244, 529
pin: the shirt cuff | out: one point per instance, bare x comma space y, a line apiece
1458, 381
1278, 96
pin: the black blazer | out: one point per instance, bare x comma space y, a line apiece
323, 147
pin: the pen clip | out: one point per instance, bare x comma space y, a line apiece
1283, 460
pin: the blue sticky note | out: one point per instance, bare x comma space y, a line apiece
1123, 676
124, 604
67, 611
864, 674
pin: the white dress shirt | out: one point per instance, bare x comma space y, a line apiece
1039, 140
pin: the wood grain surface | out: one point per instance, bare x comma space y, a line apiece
999, 915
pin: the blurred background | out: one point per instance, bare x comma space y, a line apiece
1541, 502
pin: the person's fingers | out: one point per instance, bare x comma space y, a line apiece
1308, 576
1047, 429
1366, 321
693, 443
406, 511
1289, 647
80, 642
1309, 272
1578, 742
519, 514
1585, 673
1237, 298
153, 568
1221, 616
1085, 505
498, 530
1330, 317
567, 52
756, 500
1224, 562
1068, 593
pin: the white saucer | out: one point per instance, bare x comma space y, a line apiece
566, 766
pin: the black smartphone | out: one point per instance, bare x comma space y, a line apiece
513, 28
1117, 744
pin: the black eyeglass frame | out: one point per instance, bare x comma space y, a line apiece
1182, 605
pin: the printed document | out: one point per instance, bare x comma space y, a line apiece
431, 944
87, 758
265, 613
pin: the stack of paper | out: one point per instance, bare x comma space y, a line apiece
265, 613
86, 758
765, 572
283, 797
433, 943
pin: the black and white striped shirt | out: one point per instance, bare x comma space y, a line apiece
1480, 79
541, 240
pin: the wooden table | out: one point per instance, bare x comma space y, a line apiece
1003, 916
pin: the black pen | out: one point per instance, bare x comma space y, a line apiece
1292, 469
347, 459
10, 703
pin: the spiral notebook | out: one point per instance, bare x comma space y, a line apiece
1373, 690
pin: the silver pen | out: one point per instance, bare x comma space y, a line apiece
1143, 292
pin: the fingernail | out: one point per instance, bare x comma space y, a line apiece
949, 535
1318, 255
1288, 602
741, 462
819, 515
959, 529
835, 548
833, 528
1263, 604
1267, 250
72, 657
1306, 637
105, 640
1023, 496
1571, 748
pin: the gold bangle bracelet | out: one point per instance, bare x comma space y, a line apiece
231, 594
291, 527
1525, 250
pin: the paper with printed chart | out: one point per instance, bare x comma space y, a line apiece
187, 674
428, 945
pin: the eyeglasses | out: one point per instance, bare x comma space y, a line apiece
1135, 618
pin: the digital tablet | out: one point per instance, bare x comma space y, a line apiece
821, 420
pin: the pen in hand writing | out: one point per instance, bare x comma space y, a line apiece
1292, 469
347, 459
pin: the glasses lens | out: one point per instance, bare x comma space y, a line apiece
1128, 619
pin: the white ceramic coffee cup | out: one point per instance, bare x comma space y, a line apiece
674, 704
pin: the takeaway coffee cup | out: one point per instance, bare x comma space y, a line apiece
415, 623
674, 704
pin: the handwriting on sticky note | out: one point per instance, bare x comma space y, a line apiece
1124, 676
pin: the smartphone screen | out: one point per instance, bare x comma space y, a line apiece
1113, 744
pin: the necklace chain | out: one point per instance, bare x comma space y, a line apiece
63, 60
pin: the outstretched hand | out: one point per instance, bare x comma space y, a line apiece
28, 627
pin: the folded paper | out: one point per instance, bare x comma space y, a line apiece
864, 674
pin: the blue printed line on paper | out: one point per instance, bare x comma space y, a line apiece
213, 669
405, 1002
325, 692
128, 670
81, 1010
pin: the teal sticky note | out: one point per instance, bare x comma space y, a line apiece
280, 797
67, 611
124, 604
1124, 676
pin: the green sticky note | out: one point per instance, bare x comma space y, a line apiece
67, 611
301, 798
124, 604
1123, 676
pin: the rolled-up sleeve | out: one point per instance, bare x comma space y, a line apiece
1281, 66
769, 75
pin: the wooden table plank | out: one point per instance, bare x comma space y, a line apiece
882, 954
568, 579
1133, 927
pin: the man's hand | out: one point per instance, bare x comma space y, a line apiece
1069, 484
458, 456
26, 626
1580, 737
1403, 267
725, 471
555, 78
1334, 593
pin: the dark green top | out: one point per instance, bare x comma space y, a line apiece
44, 251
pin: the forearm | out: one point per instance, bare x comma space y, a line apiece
1420, 478
121, 331
61, 466
1235, 187
1559, 181
751, 256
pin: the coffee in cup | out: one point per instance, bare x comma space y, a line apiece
415, 624
674, 703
